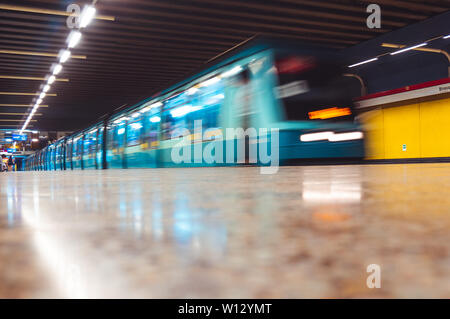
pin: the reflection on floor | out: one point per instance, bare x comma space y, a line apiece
226, 232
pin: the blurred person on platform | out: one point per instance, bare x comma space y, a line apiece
11, 164
3, 163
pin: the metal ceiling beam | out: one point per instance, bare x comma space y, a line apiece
46, 54
21, 105
24, 93
12, 77
47, 11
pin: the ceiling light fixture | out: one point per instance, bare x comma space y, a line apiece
56, 69
87, 15
73, 39
410, 48
64, 55
51, 79
363, 62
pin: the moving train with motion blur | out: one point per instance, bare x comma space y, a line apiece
296, 91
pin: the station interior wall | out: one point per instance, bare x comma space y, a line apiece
414, 129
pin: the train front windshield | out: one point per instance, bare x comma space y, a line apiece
310, 89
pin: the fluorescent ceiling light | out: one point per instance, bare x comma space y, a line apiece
137, 114
73, 38
56, 69
87, 15
410, 48
363, 62
51, 79
447, 36
64, 55
35, 140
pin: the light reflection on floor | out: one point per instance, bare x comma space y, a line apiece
226, 232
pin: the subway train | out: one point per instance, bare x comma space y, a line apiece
291, 101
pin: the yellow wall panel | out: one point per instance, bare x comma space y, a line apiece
435, 128
374, 133
402, 131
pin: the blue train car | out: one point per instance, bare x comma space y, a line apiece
289, 99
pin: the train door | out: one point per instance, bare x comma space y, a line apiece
150, 139
89, 149
77, 152
134, 155
116, 133
68, 151
99, 148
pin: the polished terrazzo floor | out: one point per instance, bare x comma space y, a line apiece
226, 232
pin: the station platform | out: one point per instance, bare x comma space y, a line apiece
226, 232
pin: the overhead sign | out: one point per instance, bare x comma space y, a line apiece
19, 137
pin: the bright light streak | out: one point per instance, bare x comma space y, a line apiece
447, 36
51, 79
315, 136
120, 131
331, 136
137, 114
87, 15
410, 48
64, 55
73, 38
155, 119
56, 69
181, 111
363, 62
35, 140
232, 72
211, 81
346, 136
46, 88
192, 90
148, 108
42, 95
136, 126
39, 101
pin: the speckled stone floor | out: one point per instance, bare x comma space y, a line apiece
226, 232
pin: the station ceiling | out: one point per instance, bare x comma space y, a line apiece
142, 46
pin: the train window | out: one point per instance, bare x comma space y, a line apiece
174, 115
152, 119
87, 141
134, 132
209, 100
199, 103
116, 135
306, 85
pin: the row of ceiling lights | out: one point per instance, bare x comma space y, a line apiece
396, 52
86, 16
